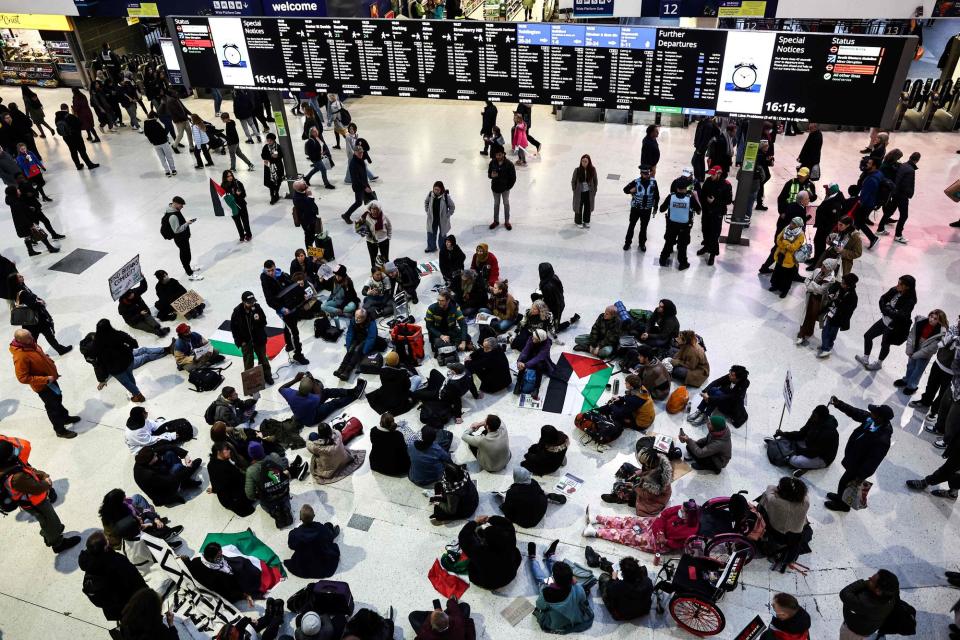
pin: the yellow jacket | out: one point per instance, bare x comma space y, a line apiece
785, 249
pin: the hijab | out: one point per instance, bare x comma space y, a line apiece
521, 476
483, 249
792, 233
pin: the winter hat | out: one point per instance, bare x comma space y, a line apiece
521, 475
832, 188
392, 359
797, 221
312, 625
457, 368
717, 423
830, 264
255, 451
342, 271
715, 170
183, 328
539, 335
390, 267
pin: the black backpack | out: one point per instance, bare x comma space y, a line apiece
884, 191
408, 271
210, 415
597, 428
345, 118
274, 482
98, 590
324, 597
63, 127
205, 379
326, 330
165, 229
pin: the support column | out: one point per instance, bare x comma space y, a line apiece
741, 201
283, 139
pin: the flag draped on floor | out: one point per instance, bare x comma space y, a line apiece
223, 202
576, 385
222, 341
247, 546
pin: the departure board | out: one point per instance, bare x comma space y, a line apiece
827, 78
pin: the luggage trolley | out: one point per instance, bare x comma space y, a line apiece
696, 584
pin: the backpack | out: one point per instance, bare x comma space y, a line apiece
165, 229
884, 190
330, 597
205, 379
435, 413
274, 482
407, 339
326, 330
345, 118
778, 451
678, 400
210, 415
371, 364
597, 428
63, 127
97, 589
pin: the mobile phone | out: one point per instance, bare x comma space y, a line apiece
436, 604
681, 431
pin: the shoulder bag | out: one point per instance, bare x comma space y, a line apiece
22, 315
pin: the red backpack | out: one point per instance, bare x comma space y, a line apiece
408, 341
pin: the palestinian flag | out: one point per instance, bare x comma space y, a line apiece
261, 559
223, 202
576, 385
222, 341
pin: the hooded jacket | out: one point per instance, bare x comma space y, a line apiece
818, 439
525, 503
115, 356
605, 333
492, 368
489, 267
388, 452
898, 312
315, 554
493, 553
552, 290
451, 260
866, 448
109, 581
926, 349
663, 326
248, 325
548, 454
132, 310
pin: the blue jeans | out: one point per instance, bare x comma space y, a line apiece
172, 461
317, 166
346, 178
217, 100
828, 335
915, 369
332, 310
500, 326
540, 572
141, 356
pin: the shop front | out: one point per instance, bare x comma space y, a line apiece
37, 50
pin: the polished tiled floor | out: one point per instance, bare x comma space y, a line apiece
116, 210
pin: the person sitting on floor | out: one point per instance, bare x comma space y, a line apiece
490, 365
547, 454
538, 316
491, 446
454, 623
455, 497
315, 552
814, 446
427, 458
652, 372
361, 340
160, 434
473, 296
662, 326
534, 357
312, 403
445, 324
163, 476
727, 395
604, 337
169, 290
125, 517
634, 409
712, 453
448, 392
563, 605
229, 409
186, 347
784, 508
666, 533
227, 480
627, 594
524, 503
503, 306
690, 364
232, 578
491, 544
135, 312
331, 460
396, 385
376, 293
648, 489
388, 448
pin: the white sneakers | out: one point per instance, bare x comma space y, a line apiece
823, 354
874, 365
589, 531
900, 239
194, 277
800, 342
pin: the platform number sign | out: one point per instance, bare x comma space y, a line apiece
670, 8
788, 391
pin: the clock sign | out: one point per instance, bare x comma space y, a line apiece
232, 56
744, 76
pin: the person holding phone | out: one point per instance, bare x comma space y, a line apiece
178, 230
454, 623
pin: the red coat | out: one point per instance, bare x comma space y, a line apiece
672, 530
82, 108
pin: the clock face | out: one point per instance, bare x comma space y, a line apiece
231, 54
744, 77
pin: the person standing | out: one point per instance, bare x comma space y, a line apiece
26, 221
307, 211
867, 604
248, 325
825, 219
273, 281
32, 490
243, 109
839, 305
938, 382
650, 149
527, 114
644, 197
317, 151
201, 141
817, 286
866, 448
518, 139
32, 166
439, 207
866, 198
273, 170
68, 126
680, 207
157, 136
707, 130
378, 232
715, 195
893, 326
503, 175
903, 190
35, 368
721, 148
34, 108
788, 242
233, 142
178, 230
9, 169
583, 182
241, 218
81, 107
788, 212
761, 176
180, 117
811, 150
488, 122
359, 182
21, 294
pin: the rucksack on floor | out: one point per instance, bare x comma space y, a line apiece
371, 364
326, 330
597, 428
678, 400
205, 379
407, 339
331, 597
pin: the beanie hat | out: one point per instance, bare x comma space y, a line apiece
392, 359
717, 423
389, 267
539, 335
183, 328
342, 271
833, 187
255, 450
521, 475
314, 626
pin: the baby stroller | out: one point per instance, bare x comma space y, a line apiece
696, 584
218, 141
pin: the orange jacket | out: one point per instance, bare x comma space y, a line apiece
32, 365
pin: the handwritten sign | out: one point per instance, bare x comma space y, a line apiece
252, 380
187, 302
126, 278
315, 252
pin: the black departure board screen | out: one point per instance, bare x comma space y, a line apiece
827, 78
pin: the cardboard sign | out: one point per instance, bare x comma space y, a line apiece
187, 302
252, 380
126, 278
315, 252
753, 630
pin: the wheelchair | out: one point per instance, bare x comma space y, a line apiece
728, 525
695, 585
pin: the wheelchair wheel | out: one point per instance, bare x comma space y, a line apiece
697, 616
721, 547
